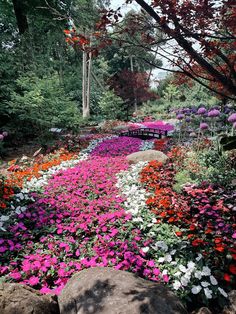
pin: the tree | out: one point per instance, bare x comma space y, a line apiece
200, 37
208, 24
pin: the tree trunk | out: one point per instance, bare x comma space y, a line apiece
84, 84
21, 18
89, 62
135, 94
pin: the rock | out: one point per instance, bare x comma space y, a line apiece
203, 310
20, 299
109, 291
146, 155
231, 309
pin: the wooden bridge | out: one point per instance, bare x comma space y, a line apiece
145, 133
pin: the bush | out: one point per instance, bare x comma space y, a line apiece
112, 106
40, 104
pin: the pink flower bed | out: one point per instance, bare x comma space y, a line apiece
78, 223
121, 146
154, 124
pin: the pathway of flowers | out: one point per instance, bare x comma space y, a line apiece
94, 210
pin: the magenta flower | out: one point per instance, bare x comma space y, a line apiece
232, 118
213, 113
33, 281
1, 137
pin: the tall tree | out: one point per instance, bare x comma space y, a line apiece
205, 34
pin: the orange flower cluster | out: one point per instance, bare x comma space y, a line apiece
165, 203
161, 144
18, 177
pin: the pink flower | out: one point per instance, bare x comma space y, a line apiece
33, 281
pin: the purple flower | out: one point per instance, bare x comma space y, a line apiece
232, 118
213, 113
1, 137
180, 116
204, 126
188, 119
201, 110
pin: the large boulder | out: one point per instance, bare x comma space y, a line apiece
20, 299
147, 155
109, 291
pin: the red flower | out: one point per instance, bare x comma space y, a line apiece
178, 233
227, 277
232, 269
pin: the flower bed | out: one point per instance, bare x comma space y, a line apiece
95, 211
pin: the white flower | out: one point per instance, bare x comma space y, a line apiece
145, 249
165, 272
206, 271
198, 275
182, 268
196, 289
162, 245
161, 259
205, 283
177, 274
176, 285
222, 291
199, 257
208, 293
168, 258
191, 265
214, 282
173, 252
184, 281
4, 218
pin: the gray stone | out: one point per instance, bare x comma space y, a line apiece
108, 291
20, 299
147, 155
231, 309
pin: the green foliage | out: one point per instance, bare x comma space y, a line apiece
182, 178
217, 168
40, 104
112, 106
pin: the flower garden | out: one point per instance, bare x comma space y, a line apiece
70, 210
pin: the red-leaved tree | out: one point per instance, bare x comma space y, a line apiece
200, 37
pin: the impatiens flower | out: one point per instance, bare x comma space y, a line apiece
33, 281
232, 118
223, 292
176, 285
213, 113
205, 284
201, 111
208, 293
196, 289
1, 137
206, 271
213, 281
